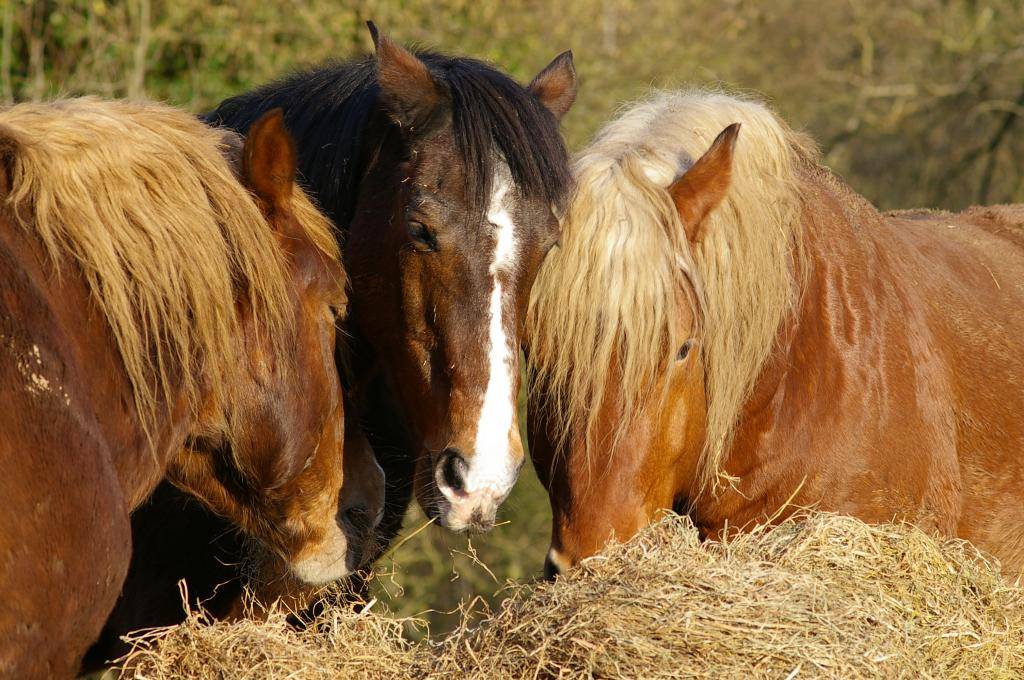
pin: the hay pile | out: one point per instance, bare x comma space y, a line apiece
345, 645
824, 596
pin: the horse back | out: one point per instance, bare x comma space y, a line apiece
899, 383
968, 279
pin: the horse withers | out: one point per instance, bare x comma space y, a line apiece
728, 330
158, 316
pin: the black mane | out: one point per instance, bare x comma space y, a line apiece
328, 109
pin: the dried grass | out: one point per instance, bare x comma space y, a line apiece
822, 596
343, 644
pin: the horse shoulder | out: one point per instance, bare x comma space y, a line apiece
855, 414
66, 500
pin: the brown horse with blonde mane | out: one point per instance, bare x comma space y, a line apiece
728, 330
158, 316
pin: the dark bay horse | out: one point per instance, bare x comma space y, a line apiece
441, 174
728, 330
158, 316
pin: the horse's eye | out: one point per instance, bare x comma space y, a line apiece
684, 351
423, 240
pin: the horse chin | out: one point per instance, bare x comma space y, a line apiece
328, 561
457, 519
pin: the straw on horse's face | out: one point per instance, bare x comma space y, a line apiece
621, 490
461, 266
283, 477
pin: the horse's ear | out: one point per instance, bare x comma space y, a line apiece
268, 162
555, 86
410, 93
705, 184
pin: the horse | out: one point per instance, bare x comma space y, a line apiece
729, 331
168, 304
442, 176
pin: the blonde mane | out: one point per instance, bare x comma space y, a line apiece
142, 200
613, 292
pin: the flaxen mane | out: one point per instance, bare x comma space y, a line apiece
613, 290
142, 199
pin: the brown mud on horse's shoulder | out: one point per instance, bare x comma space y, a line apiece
27, 325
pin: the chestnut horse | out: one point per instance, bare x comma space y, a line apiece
441, 174
159, 317
728, 330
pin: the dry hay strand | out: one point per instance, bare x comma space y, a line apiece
817, 596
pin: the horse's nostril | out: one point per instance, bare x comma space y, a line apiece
453, 470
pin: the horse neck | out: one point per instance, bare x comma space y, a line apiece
837, 248
73, 354
840, 286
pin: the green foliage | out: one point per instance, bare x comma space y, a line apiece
916, 103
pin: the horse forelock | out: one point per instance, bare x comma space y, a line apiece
141, 200
493, 114
611, 294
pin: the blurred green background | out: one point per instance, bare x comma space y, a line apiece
916, 103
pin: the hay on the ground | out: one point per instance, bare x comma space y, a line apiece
822, 596
344, 644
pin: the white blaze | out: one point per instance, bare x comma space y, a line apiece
492, 463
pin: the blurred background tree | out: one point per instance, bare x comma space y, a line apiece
916, 103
